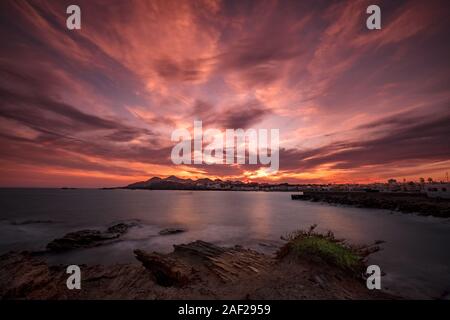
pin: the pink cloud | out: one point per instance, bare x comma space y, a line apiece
112, 92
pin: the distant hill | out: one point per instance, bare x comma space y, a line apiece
173, 182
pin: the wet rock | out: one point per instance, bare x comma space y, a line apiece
80, 239
88, 238
121, 228
168, 231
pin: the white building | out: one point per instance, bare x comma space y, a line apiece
438, 190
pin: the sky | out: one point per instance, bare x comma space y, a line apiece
96, 107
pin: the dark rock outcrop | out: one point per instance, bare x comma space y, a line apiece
402, 202
88, 238
168, 231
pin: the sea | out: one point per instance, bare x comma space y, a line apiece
415, 256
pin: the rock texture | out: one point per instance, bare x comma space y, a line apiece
228, 264
197, 270
166, 271
219, 264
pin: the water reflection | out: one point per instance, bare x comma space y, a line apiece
414, 256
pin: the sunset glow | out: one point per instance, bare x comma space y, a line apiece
96, 107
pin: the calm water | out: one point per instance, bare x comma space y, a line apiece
415, 257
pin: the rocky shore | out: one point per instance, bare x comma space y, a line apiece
198, 270
402, 202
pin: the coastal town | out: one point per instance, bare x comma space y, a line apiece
428, 187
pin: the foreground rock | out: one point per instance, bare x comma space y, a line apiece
200, 257
89, 238
26, 276
198, 270
165, 270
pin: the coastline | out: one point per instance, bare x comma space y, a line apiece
399, 202
374, 223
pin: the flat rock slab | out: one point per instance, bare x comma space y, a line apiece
167, 271
213, 263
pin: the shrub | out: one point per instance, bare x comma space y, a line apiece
326, 247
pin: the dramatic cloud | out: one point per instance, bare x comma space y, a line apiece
97, 106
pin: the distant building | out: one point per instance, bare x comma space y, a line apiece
393, 185
411, 187
438, 190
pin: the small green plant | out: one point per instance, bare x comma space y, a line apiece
311, 244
